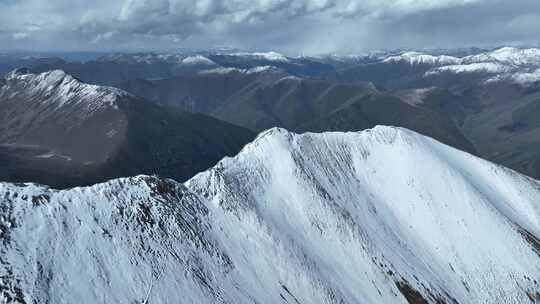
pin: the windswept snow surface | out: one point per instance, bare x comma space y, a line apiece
380, 216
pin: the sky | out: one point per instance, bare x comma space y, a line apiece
288, 26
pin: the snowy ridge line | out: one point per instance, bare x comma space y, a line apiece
58, 89
523, 78
379, 216
253, 70
197, 60
151, 58
270, 56
505, 55
508, 63
421, 58
478, 67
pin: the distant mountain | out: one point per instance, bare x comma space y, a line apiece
201, 92
498, 92
105, 71
269, 98
288, 102
412, 69
298, 66
12, 61
491, 96
117, 68
505, 125
57, 130
380, 216
375, 109
418, 58
386, 69
473, 99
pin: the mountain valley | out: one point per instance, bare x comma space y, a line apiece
399, 177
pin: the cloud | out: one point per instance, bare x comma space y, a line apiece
18, 36
392, 8
295, 26
184, 18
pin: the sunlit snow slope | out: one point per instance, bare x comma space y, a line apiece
379, 216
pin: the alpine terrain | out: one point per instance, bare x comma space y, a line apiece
380, 216
57, 130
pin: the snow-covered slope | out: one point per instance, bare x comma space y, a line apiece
521, 77
508, 55
420, 58
57, 130
56, 89
59, 112
268, 56
478, 67
178, 62
254, 70
504, 64
517, 65
197, 60
152, 58
380, 216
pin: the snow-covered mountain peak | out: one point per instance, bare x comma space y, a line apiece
269, 56
249, 71
384, 215
476, 67
272, 134
508, 55
505, 55
389, 195
17, 73
45, 79
197, 60
57, 88
141, 58
414, 58
378, 131
382, 133
517, 65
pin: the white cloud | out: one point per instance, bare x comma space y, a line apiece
101, 37
19, 36
290, 25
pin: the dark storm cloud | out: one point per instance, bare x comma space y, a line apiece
295, 26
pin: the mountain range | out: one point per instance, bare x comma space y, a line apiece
139, 178
482, 101
379, 216
57, 130
266, 98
